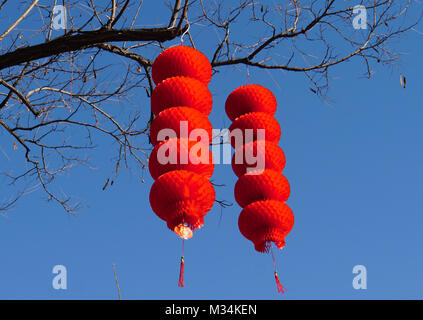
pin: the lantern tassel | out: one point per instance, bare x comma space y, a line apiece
181, 273
278, 283
181, 270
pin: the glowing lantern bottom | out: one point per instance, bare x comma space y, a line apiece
183, 231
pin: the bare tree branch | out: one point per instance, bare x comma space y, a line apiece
68, 43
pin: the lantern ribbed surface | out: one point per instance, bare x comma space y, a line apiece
273, 157
252, 122
171, 119
181, 91
261, 185
264, 222
250, 98
189, 155
181, 61
182, 196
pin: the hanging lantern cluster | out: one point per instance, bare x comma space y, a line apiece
261, 192
181, 102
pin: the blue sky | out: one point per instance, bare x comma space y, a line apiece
355, 166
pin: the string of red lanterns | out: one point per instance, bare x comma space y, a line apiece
265, 218
182, 193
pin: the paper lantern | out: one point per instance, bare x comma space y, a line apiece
173, 118
252, 122
181, 91
188, 155
182, 197
273, 157
262, 192
264, 222
181, 61
261, 185
250, 98
182, 194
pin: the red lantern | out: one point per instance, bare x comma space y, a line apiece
250, 98
181, 91
265, 219
182, 194
254, 121
261, 185
182, 197
264, 222
188, 155
182, 61
273, 157
173, 117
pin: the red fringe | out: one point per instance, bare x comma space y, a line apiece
181, 274
278, 284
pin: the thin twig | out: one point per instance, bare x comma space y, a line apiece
13, 26
116, 279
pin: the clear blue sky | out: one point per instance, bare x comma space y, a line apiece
355, 167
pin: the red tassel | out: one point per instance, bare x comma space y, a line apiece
181, 274
278, 284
